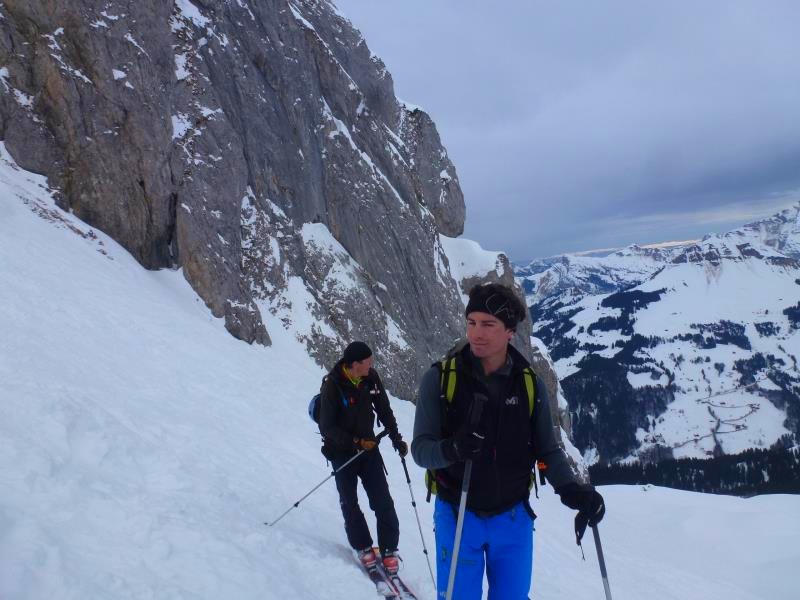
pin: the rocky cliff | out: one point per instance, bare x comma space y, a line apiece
256, 145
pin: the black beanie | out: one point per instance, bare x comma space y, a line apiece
498, 301
356, 352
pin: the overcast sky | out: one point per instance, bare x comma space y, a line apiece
583, 125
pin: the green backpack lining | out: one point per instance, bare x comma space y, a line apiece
448, 388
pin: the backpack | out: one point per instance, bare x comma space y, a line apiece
448, 392
313, 408
313, 405
313, 414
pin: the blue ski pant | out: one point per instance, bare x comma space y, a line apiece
502, 545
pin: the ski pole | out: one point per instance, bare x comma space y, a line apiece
477, 408
602, 561
319, 485
422, 537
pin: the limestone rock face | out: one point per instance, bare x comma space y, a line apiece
258, 146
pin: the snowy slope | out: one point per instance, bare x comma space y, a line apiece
142, 447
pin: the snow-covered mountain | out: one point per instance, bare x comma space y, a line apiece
572, 275
142, 447
647, 343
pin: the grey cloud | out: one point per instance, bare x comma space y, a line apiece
572, 124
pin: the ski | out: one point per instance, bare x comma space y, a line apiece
382, 584
403, 591
388, 586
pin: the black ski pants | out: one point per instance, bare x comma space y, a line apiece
369, 468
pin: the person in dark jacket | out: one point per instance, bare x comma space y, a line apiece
503, 445
351, 395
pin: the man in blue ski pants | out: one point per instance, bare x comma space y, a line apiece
514, 430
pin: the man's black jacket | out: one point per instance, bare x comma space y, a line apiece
347, 412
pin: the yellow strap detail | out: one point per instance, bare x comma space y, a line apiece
451, 380
430, 482
531, 389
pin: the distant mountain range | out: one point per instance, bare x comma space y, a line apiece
686, 350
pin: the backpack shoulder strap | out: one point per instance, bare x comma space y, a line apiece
530, 388
337, 386
448, 379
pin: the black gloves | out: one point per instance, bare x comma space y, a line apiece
587, 501
399, 445
464, 445
467, 442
